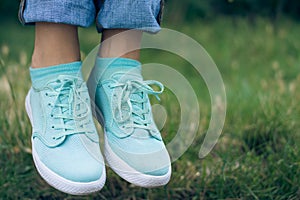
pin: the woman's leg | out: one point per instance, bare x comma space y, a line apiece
65, 143
55, 44
121, 45
133, 147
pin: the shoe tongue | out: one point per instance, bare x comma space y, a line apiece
123, 75
41, 76
64, 98
130, 75
40, 83
124, 68
67, 97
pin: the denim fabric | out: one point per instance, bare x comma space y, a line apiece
132, 14
80, 12
128, 14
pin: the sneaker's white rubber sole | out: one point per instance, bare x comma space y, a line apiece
58, 182
130, 174
123, 169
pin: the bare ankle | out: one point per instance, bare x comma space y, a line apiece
121, 43
55, 44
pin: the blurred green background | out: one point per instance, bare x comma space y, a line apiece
256, 47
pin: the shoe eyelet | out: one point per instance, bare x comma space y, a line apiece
46, 94
51, 115
52, 127
54, 138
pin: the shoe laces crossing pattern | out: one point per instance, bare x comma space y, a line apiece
130, 103
69, 105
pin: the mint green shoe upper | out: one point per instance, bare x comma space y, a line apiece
122, 96
64, 136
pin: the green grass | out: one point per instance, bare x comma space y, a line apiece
257, 156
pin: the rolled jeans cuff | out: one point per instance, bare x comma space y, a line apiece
79, 13
130, 14
144, 15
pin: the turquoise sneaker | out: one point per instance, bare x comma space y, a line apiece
65, 143
133, 146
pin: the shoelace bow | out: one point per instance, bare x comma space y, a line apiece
139, 116
68, 106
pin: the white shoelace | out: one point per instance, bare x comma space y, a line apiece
68, 105
131, 107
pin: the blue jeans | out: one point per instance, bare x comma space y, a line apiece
109, 14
